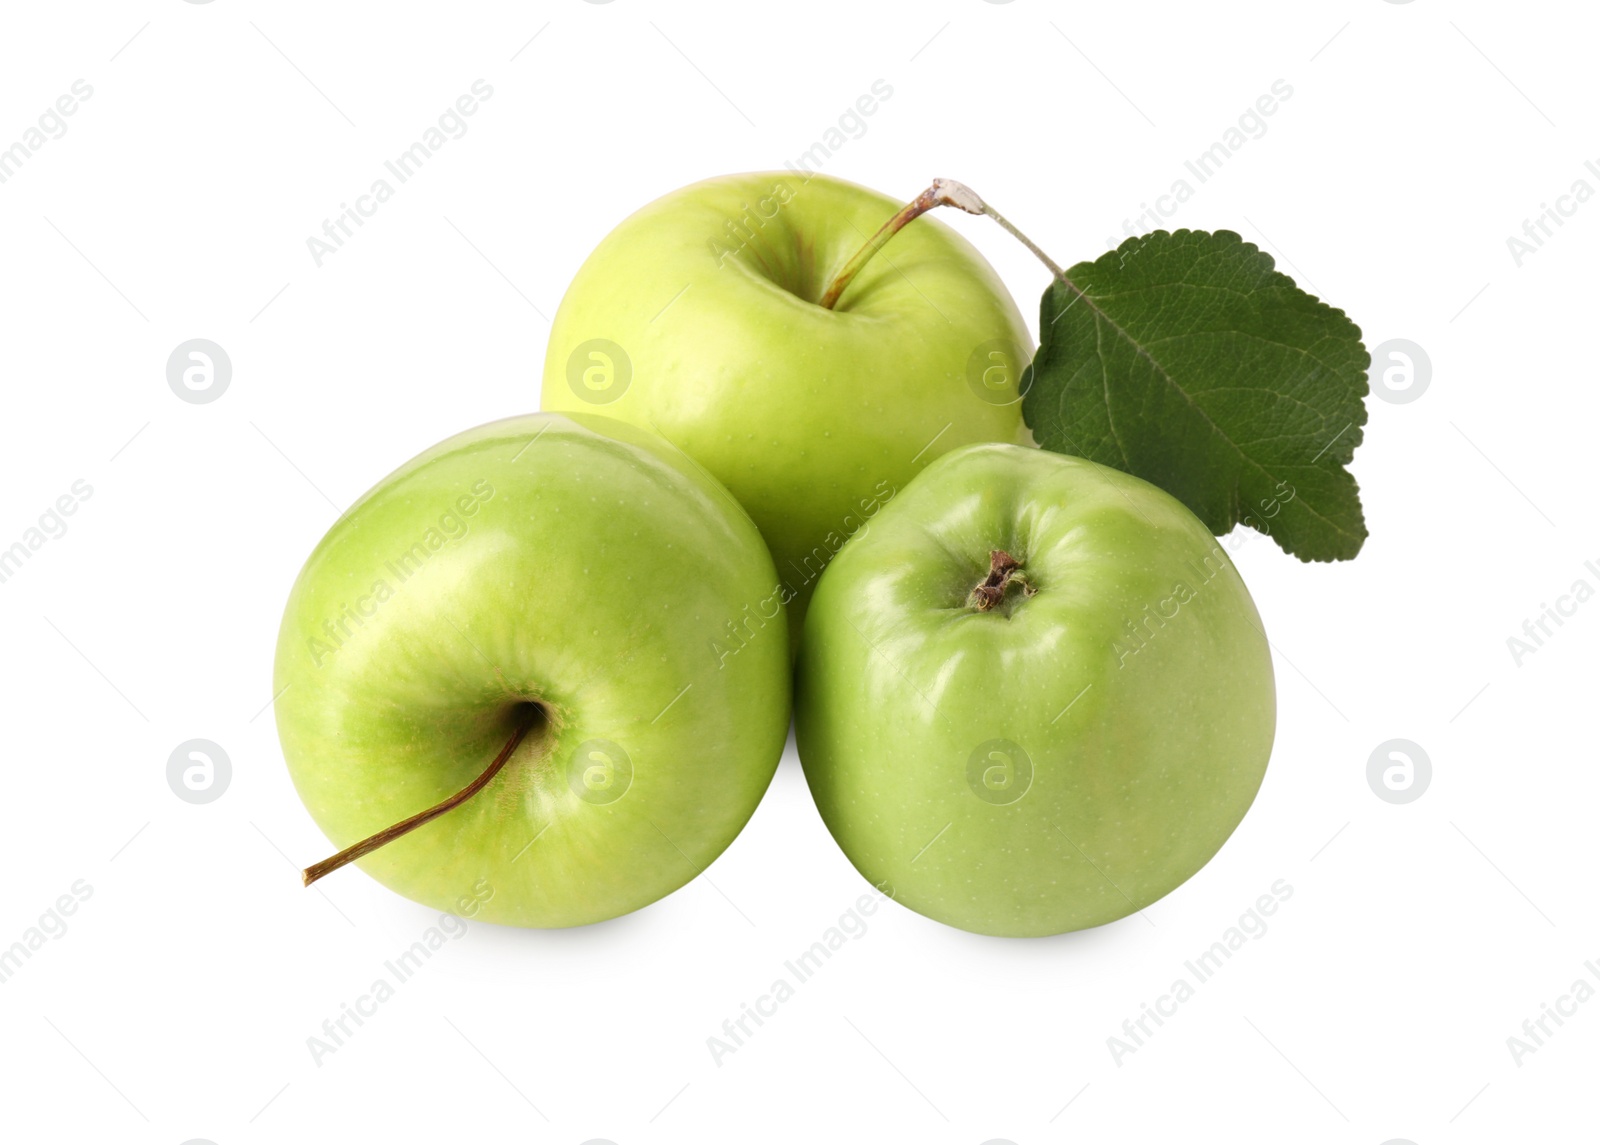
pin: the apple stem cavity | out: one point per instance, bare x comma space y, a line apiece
389, 834
941, 193
1004, 571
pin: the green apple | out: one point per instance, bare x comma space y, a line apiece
699, 317
558, 584
1034, 696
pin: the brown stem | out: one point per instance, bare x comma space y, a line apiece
942, 193
389, 834
1004, 571
922, 204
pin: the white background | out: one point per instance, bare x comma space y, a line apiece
219, 136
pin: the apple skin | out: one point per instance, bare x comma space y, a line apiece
1145, 719
574, 562
697, 317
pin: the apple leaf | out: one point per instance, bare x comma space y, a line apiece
1184, 358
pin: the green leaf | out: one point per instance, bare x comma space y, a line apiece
1185, 359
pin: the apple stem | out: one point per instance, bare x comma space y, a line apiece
1004, 571
942, 193
389, 834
